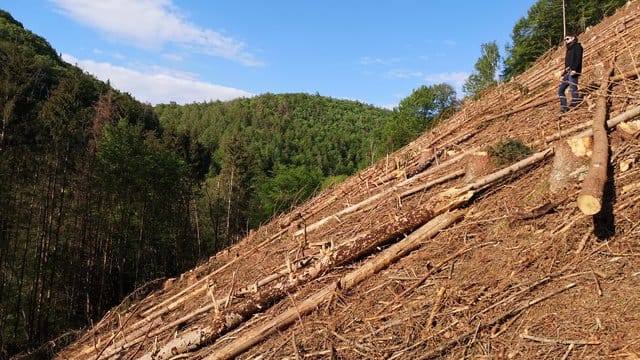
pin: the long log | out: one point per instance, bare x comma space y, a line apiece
231, 317
382, 195
350, 280
611, 123
590, 197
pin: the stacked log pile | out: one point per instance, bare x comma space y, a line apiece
426, 254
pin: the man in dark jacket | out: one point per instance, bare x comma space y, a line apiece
572, 70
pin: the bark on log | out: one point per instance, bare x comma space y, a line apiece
381, 261
382, 195
432, 183
590, 198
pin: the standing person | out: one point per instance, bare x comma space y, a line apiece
572, 70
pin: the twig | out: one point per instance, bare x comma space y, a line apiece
583, 242
566, 354
435, 353
595, 278
233, 284
423, 279
436, 306
557, 341
295, 346
297, 311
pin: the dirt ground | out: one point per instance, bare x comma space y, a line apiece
522, 274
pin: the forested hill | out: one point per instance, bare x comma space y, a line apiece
275, 150
81, 224
334, 136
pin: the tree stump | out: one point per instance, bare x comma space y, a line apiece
632, 127
570, 163
477, 164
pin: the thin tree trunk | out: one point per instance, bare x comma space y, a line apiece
229, 206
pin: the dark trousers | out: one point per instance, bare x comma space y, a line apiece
570, 82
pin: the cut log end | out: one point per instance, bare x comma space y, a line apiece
589, 204
570, 163
477, 164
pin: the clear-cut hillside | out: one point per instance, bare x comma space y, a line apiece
435, 251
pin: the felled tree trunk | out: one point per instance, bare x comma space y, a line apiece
590, 198
369, 268
570, 163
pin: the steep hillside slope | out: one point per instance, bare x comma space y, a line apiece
433, 252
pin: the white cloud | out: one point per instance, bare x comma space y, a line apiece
151, 23
450, 43
402, 74
368, 60
173, 57
455, 79
161, 86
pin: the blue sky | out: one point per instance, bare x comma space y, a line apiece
375, 52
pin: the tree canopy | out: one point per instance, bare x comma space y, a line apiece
94, 194
486, 70
273, 151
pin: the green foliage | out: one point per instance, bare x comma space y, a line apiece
428, 104
127, 160
486, 70
287, 187
13, 32
95, 198
508, 151
542, 29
